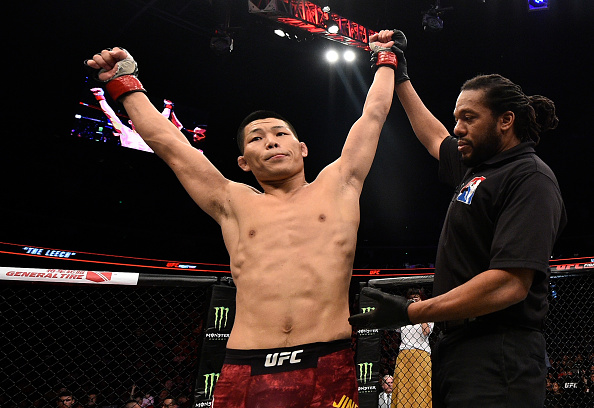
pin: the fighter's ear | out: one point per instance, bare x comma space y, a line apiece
304, 150
243, 163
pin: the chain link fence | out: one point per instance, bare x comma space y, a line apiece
121, 342
102, 344
570, 341
569, 332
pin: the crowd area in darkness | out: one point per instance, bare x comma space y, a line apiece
570, 382
167, 397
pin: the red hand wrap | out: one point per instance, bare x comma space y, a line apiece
386, 58
100, 97
123, 85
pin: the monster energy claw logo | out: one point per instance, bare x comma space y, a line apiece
210, 380
221, 314
365, 372
367, 309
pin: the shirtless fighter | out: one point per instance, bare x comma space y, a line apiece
291, 245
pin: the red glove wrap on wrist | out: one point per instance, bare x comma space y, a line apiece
386, 58
100, 97
123, 85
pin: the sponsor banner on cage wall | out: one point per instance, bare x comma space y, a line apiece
368, 359
68, 276
219, 322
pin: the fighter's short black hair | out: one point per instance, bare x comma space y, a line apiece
259, 114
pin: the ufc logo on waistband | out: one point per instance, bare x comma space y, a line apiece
277, 359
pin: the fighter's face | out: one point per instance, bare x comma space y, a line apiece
479, 137
271, 149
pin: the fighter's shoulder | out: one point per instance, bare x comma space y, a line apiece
235, 196
243, 190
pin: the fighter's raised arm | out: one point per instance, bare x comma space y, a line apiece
361, 143
205, 184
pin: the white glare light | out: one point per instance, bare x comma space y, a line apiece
349, 56
279, 32
332, 56
333, 29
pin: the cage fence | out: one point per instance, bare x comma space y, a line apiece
112, 342
569, 332
121, 342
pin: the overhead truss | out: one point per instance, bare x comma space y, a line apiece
310, 17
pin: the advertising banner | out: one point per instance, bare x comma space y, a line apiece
221, 314
368, 359
68, 276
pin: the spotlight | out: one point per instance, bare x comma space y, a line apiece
538, 5
221, 43
331, 26
280, 32
349, 56
332, 56
328, 22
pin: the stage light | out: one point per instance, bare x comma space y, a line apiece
221, 43
332, 56
349, 56
279, 32
432, 21
432, 18
331, 26
534, 5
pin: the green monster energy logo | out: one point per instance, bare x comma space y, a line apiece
365, 372
220, 314
210, 380
367, 309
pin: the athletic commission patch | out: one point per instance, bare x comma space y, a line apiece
469, 189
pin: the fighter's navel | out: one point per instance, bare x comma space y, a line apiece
287, 325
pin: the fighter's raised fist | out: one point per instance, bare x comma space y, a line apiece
116, 67
113, 63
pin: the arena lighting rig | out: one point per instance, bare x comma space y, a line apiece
313, 19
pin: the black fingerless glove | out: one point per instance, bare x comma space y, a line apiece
400, 70
391, 311
400, 73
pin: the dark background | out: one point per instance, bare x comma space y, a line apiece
62, 192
